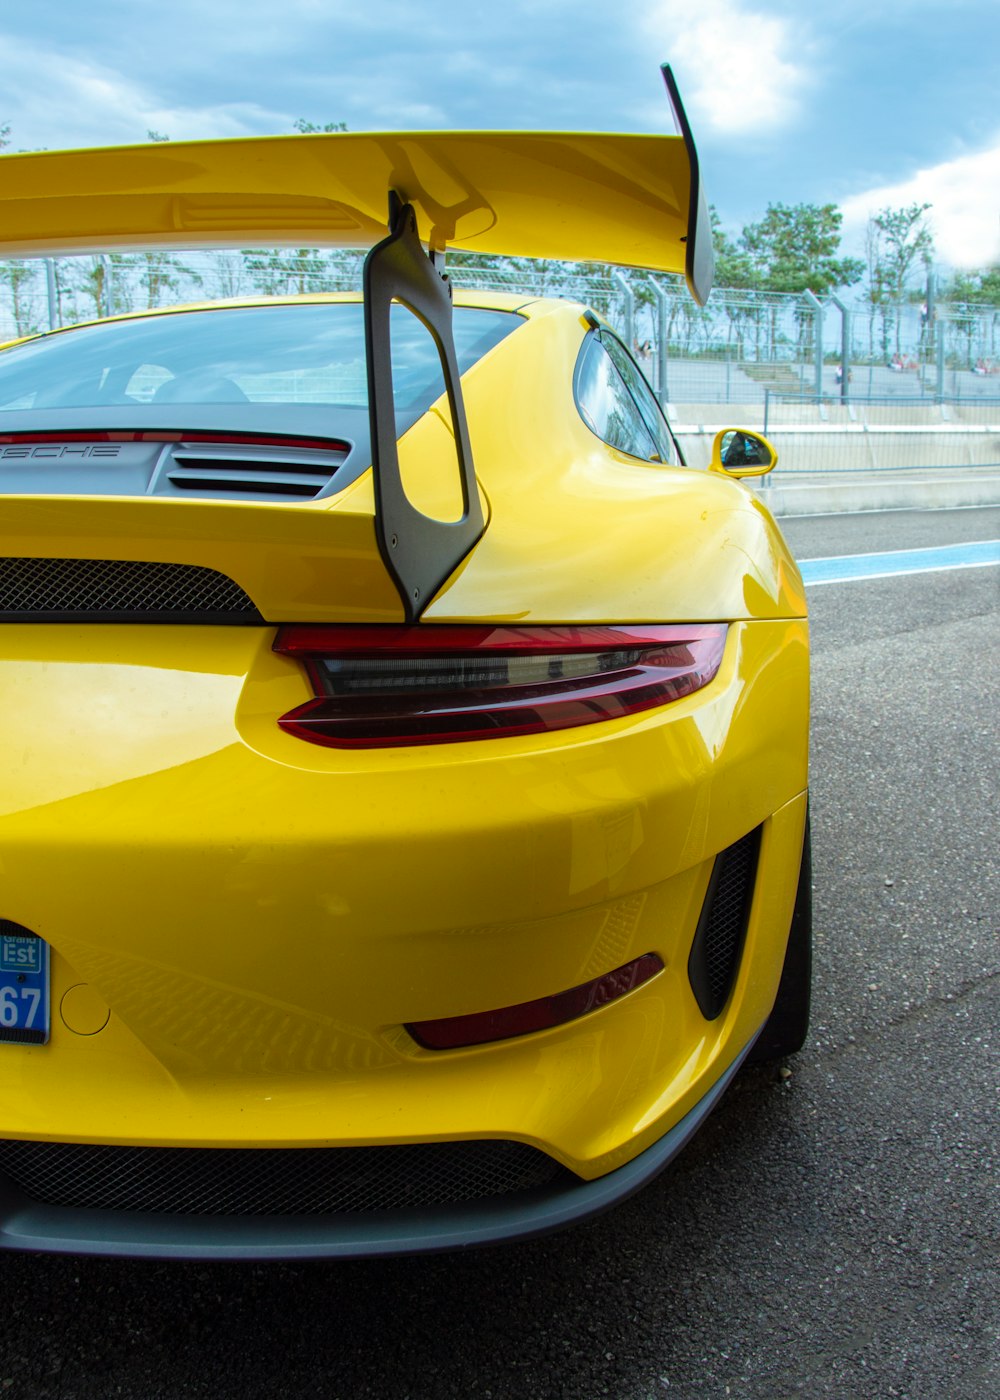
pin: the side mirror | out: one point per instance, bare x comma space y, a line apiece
739, 452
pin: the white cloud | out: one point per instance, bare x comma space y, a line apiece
84, 103
740, 66
412, 115
965, 195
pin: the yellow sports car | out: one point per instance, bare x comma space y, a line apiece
403, 815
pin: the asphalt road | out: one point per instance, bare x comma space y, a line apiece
830, 1233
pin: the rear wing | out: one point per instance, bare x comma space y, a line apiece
632, 200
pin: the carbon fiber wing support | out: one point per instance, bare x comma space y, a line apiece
418, 551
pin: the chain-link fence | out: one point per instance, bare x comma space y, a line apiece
781, 359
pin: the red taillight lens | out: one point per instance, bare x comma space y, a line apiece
172, 435
384, 686
452, 1032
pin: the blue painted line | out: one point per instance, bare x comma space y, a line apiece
849, 568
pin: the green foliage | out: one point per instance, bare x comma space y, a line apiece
896, 239
459, 259
277, 272
793, 249
162, 273
19, 280
733, 267
989, 285
314, 129
979, 288
105, 281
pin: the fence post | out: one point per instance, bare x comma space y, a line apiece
662, 349
939, 354
767, 407
845, 348
626, 291
817, 309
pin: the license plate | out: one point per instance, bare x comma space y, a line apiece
24, 987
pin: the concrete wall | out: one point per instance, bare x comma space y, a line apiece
808, 449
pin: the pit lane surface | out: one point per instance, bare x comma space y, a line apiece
830, 1233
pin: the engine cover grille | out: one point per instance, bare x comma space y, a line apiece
118, 590
273, 1181
718, 942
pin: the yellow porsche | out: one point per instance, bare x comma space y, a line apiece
403, 815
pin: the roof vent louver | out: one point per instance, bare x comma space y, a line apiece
241, 469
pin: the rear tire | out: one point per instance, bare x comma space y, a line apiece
786, 1028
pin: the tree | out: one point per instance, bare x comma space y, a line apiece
19, 279
734, 271
313, 129
899, 238
894, 240
733, 267
875, 291
967, 295
162, 273
989, 285
105, 281
980, 286
17, 276
278, 272
793, 249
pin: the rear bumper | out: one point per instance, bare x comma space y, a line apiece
28, 1226
251, 921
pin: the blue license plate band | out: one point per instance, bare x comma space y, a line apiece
24, 987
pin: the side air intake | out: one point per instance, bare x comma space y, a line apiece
718, 942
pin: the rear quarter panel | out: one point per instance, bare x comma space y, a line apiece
581, 532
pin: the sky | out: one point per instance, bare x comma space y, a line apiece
861, 103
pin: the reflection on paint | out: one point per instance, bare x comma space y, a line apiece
71, 728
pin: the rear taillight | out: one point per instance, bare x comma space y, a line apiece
383, 686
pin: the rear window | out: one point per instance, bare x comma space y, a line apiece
308, 353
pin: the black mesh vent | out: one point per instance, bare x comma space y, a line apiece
118, 590
718, 943
273, 1181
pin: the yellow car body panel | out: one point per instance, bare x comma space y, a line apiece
696, 539
190, 865
617, 198
609, 540
246, 928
